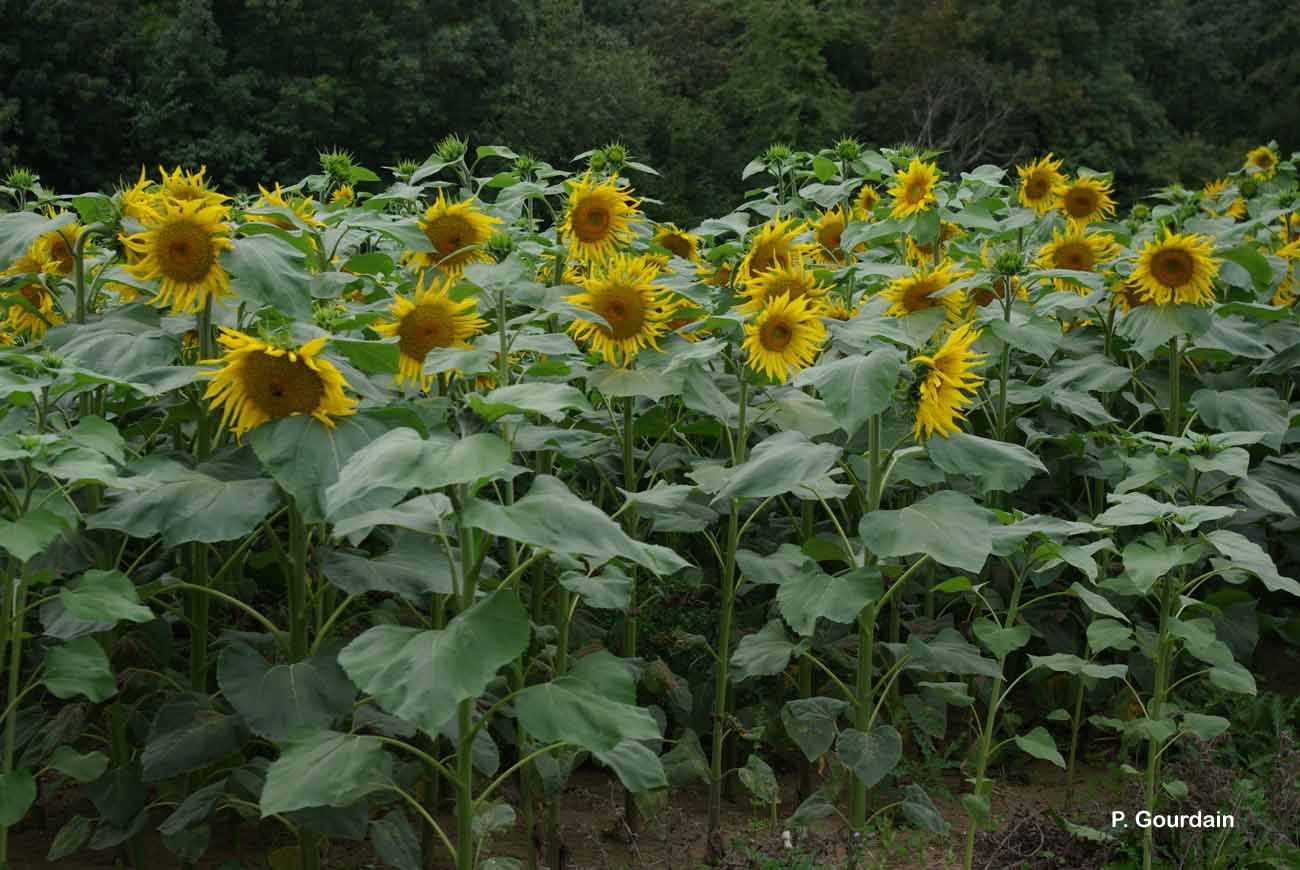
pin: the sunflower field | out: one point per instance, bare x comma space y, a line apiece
377, 520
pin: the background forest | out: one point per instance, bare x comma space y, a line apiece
1156, 91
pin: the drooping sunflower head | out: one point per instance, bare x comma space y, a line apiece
599, 217
913, 189
1285, 295
926, 288
458, 233
773, 246
343, 195
181, 250
190, 186
1213, 197
1177, 268
785, 336
1076, 249
432, 318
865, 201
1039, 182
256, 382
677, 241
947, 379
139, 201
55, 251
1086, 199
837, 308
828, 232
636, 310
714, 276
1127, 294
303, 207
1262, 161
32, 312
792, 280
924, 253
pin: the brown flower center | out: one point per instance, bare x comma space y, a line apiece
449, 234
1081, 202
281, 387
591, 221
776, 334
184, 251
1173, 268
1074, 256
917, 297
679, 245
424, 328
624, 311
1036, 187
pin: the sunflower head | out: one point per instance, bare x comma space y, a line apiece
458, 234
773, 246
1285, 295
865, 201
792, 280
303, 207
256, 382
918, 254
1127, 294
913, 189
636, 310
1078, 250
784, 337
181, 251
343, 195
926, 288
139, 201
432, 318
1176, 268
1262, 161
828, 231
1039, 182
599, 217
1213, 197
190, 186
679, 242
947, 379
54, 252
32, 313
1086, 199
837, 308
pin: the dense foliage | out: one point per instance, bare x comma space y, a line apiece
373, 507
249, 88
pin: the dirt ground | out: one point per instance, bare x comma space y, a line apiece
596, 838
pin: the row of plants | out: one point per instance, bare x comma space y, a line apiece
340, 507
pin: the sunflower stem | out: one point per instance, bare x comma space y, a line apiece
1175, 416
15, 595
464, 712
631, 815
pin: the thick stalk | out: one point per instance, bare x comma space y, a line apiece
200, 603
805, 664
865, 693
631, 815
1004, 368
300, 645
431, 845
982, 788
16, 596
554, 842
721, 676
464, 715
1075, 723
1168, 598
1175, 417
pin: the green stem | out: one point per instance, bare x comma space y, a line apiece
1075, 723
1163, 663
805, 666
564, 611
983, 787
299, 644
464, 711
722, 676
862, 714
16, 595
1175, 417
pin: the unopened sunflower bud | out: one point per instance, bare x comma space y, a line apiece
22, 178
451, 148
499, 245
848, 148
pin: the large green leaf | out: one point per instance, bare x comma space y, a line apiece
856, 388
396, 841
1248, 556
31, 533
948, 652
189, 734
1039, 744
415, 567
997, 465
999, 640
421, 676
325, 769
17, 794
125, 344
81, 767
811, 594
268, 271
636, 766
79, 667
305, 457
1257, 409
552, 401
763, 653
783, 463
395, 463
759, 779
1149, 327
104, 596
552, 517
810, 723
19, 229
673, 508
871, 756
947, 526
219, 500
279, 701
592, 707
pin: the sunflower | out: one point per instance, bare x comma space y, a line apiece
432, 319
1212, 200
923, 289
598, 218
719, 276
1076, 249
784, 337
839, 309
139, 201
181, 249
1177, 268
1086, 199
792, 280
1290, 228
1262, 161
865, 201
32, 321
458, 233
302, 207
637, 311
1127, 294
772, 247
1039, 182
948, 379
257, 382
1285, 295
828, 232
678, 241
343, 196
917, 254
913, 189
189, 186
